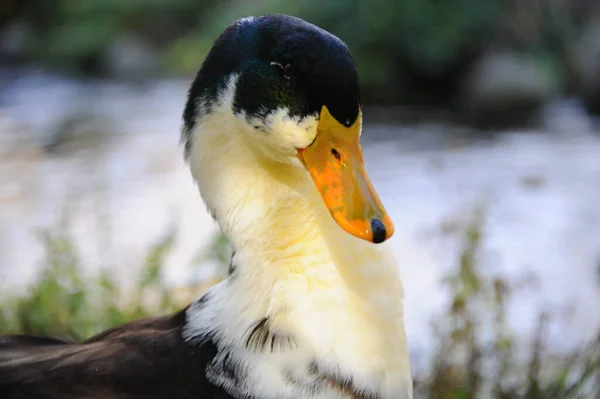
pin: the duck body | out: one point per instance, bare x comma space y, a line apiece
312, 306
146, 358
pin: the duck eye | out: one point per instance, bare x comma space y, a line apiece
288, 71
276, 65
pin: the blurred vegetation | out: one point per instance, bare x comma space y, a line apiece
66, 302
477, 355
407, 52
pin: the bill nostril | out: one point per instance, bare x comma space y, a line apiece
336, 154
379, 231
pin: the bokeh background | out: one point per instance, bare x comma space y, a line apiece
481, 136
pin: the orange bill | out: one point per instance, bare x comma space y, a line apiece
335, 162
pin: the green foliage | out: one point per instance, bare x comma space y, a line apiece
430, 35
72, 33
407, 51
434, 33
58, 301
477, 354
65, 302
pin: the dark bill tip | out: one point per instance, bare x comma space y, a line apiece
378, 229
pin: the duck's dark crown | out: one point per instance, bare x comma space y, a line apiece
281, 62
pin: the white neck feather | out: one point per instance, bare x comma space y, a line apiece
336, 299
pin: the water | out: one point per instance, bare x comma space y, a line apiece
124, 190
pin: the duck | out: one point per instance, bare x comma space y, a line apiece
312, 304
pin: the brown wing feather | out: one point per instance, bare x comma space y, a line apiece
16, 346
147, 358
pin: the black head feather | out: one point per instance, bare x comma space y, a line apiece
281, 61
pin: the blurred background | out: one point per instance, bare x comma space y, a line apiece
481, 135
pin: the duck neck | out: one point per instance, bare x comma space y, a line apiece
272, 213
295, 270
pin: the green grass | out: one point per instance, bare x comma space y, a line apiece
476, 356
64, 302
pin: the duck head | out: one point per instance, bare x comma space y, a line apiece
295, 94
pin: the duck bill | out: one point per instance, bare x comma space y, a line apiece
335, 162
